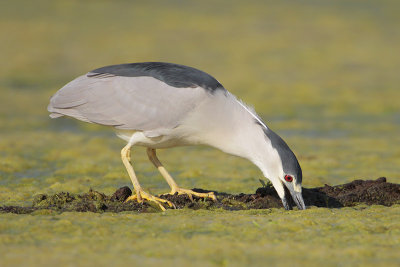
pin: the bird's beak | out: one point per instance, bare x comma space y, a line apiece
298, 199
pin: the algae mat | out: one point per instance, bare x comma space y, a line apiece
323, 74
358, 192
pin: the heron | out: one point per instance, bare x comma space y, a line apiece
162, 105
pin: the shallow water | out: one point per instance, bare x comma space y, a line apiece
322, 75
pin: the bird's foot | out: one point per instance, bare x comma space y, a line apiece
140, 195
192, 193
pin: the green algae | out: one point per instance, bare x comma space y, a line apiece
322, 74
356, 193
194, 237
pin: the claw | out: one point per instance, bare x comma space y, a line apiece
140, 195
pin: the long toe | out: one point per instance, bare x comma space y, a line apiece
150, 197
157, 200
192, 193
132, 198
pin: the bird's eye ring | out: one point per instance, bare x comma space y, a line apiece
288, 178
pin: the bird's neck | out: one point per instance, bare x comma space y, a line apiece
247, 138
237, 130
252, 144
227, 124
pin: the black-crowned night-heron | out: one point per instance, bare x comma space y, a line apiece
162, 105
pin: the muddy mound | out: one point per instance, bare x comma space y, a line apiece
369, 192
359, 191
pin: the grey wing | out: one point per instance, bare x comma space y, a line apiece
134, 103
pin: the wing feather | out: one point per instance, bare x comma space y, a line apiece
132, 103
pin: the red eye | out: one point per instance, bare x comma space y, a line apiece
288, 178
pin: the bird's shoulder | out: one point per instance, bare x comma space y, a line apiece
175, 75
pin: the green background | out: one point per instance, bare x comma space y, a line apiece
322, 74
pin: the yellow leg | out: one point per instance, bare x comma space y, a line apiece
140, 194
174, 187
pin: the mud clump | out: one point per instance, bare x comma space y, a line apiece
370, 192
359, 191
92, 201
121, 194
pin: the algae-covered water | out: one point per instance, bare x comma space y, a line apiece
322, 74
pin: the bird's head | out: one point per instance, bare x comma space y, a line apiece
283, 170
293, 183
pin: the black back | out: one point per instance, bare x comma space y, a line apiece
172, 74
